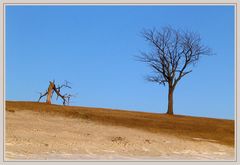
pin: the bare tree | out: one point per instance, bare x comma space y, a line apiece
52, 88
174, 53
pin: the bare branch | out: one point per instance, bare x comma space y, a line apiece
174, 52
52, 88
156, 79
42, 95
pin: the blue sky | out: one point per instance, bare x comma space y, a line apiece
94, 47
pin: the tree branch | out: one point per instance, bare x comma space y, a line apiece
174, 52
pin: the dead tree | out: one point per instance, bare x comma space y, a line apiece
52, 88
174, 53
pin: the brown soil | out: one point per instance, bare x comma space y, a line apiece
47, 132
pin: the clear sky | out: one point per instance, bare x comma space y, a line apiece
94, 47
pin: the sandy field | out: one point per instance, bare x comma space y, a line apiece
34, 135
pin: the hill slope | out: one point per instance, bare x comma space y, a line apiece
205, 132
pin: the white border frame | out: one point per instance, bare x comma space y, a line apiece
116, 2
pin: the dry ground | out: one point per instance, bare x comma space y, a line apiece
40, 131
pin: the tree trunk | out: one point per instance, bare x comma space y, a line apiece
49, 95
170, 101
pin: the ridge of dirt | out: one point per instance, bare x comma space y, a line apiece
219, 130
